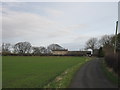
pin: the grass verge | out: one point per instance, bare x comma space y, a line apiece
64, 79
110, 74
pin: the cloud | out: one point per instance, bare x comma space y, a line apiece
60, 0
73, 46
0, 24
21, 23
17, 23
31, 27
46, 23
54, 12
13, 4
24, 26
77, 27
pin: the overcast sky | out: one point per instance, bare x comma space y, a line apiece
69, 24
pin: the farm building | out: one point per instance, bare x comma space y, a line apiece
79, 53
60, 52
71, 53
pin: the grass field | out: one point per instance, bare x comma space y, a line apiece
35, 71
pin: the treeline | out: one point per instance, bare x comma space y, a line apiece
106, 44
24, 49
106, 48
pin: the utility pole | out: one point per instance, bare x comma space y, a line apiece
116, 38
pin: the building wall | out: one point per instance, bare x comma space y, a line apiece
59, 52
71, 53
81, 53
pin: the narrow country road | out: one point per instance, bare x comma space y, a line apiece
91, 76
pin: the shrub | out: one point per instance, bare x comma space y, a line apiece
112, 61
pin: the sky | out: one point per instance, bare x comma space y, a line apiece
69, 24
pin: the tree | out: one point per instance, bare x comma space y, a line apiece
117, 42
107, 43
39, 50
100, 52
106, 40
6, 47
91, 44
22, 47
36, 50
43, 50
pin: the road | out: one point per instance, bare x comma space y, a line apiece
91, 76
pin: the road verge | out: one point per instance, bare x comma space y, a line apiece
65, 78
110, 74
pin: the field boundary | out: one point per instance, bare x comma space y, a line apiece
110, 74
64, 79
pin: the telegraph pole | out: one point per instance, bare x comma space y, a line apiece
116, 38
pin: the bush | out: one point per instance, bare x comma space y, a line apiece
100, 52
112, 61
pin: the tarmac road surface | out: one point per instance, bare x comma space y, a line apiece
91, 76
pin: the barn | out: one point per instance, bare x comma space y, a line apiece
71, 53
60, 52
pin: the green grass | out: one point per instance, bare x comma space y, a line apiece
110, 75
65, 78
35, 71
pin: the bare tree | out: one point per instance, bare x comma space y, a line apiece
43, 50
106, 40
36, 50
39, 50
91, 44
22, 47
6, 47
